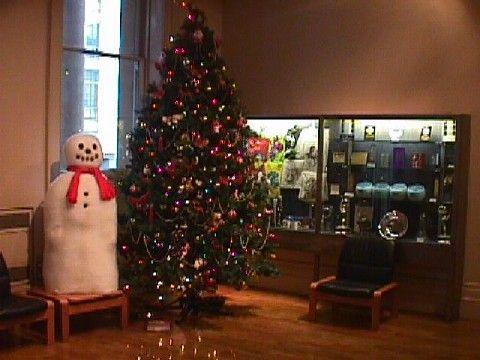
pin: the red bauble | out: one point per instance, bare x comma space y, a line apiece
223, 180
216, 127
159, 94
180, 51
198, 36
273, 237
218, 42
241, 122
171, 169
211, 282
232, 214
161, 144
238, 179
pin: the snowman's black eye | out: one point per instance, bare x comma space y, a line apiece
94, 146
80, 146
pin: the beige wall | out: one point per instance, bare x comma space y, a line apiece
24, 30
289, 57
363, 56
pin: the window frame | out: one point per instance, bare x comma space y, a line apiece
138, 86
149, 51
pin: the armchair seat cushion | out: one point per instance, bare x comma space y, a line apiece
349, 288
17, 306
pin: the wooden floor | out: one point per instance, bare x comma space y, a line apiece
261, 326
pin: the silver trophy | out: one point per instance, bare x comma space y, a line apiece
344, 216
393, 225
326, 218
422, 228
443, 222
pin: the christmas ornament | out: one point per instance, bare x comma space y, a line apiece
198, 36
199, 216
232, 214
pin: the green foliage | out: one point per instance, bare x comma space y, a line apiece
198, 211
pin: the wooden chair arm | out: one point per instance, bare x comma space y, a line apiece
386, 288
49, 302
315, 285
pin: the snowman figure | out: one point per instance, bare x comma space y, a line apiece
80, 218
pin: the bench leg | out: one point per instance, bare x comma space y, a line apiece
64, 320
50, 323
124, 312
376, 311
394, 303
334, 308
312, 309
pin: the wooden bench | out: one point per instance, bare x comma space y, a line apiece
24, 315
67, 305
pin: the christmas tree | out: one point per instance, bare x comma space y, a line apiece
199, 206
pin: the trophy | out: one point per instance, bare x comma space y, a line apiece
326, 219
363, 217
393, 225
275, 212
344, 216
422, 228
443, 222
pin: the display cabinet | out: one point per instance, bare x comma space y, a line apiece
392, 176
287, 152
402, 177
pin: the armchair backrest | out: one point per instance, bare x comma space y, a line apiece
5, 289
367, 259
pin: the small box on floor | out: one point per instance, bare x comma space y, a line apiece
157, 325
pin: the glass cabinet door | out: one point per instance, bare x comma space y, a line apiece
393, 176
286, 151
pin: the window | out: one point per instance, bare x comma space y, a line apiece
92, 35
90, 101
102, 68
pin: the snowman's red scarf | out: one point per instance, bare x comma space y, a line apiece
107, 190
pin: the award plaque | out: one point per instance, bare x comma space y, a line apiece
449, 131
369, 133
426, 133
363, 217
338, 157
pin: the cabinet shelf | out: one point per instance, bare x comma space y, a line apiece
397, 142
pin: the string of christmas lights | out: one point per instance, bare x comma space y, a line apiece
199, 206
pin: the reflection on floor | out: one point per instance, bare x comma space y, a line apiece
261, 326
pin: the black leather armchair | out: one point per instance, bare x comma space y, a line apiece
23, 309
364, 278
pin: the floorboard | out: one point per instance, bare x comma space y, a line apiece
261, 326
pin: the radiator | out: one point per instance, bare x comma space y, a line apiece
16, 243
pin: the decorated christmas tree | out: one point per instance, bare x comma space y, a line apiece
199, 206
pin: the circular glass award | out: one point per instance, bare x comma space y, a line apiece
393, 225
